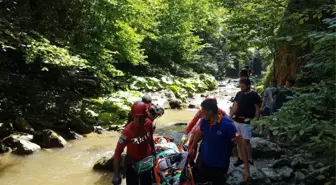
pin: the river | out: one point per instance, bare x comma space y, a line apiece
73, 164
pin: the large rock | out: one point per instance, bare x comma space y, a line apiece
299, 177
256, 177
51, 139
10, 141
5, 129
99, 129
22, 125
21, 146
299, 162
79, 126
3, 148
169, 94
281, 162
106, 163
279, 174
265, 149
175, 103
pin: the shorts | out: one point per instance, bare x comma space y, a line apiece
267, 111
244, 129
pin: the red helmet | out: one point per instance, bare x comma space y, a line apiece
211, 98
139, 109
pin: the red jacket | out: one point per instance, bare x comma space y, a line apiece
197, 117
137, 140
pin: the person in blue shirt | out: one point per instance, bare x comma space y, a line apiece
217, 134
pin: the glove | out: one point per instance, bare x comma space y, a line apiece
116, 180
184, 138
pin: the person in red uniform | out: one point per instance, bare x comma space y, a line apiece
194, 125
138, 138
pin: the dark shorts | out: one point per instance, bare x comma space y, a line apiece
206, 174
132, 178
267, 111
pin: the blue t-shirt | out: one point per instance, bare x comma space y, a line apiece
216, 147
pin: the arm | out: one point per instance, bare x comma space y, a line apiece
235, 105
263, 103
257, 102
193, 122
122, 143
234, 109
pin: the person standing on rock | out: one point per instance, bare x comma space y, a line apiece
246, 107
217, 133
194, 124
138, 138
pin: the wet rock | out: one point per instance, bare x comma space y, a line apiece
202, 95
51, 139
106, 163
299, 177
70, 135
22, 125
3, 148
280, 174
5, 129
76, 136
99, 129
180, 124
265, 149
169, 94
256, 177
191, 106
79, 126
22, 136
21, 146
281, 162
24, 147
175, 103
115, 127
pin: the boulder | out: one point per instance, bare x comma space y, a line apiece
114, 127
299, 177
22, 125
5, 129
3, 148
106, 163
299, 163
265, 149
279, 174
79, 126
51, 139
10, 141
192, 106
169, 94
256, 177
99, 129
24, 147
281, 162
175, 103
21, 146
74, 135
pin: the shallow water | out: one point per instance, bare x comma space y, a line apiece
73, 164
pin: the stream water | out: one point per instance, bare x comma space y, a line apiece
73, 164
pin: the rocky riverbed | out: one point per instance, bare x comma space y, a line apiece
67, 155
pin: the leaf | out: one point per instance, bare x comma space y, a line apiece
301, 132
293, 138
320, 177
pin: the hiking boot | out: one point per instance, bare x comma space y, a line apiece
238, 162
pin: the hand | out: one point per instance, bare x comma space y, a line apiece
246, 175
184, 138
116, 180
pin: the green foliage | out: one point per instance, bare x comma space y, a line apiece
181, 87
309, 119
112, 109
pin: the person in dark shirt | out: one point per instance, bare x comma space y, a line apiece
245, 108
283, 95
217, 133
